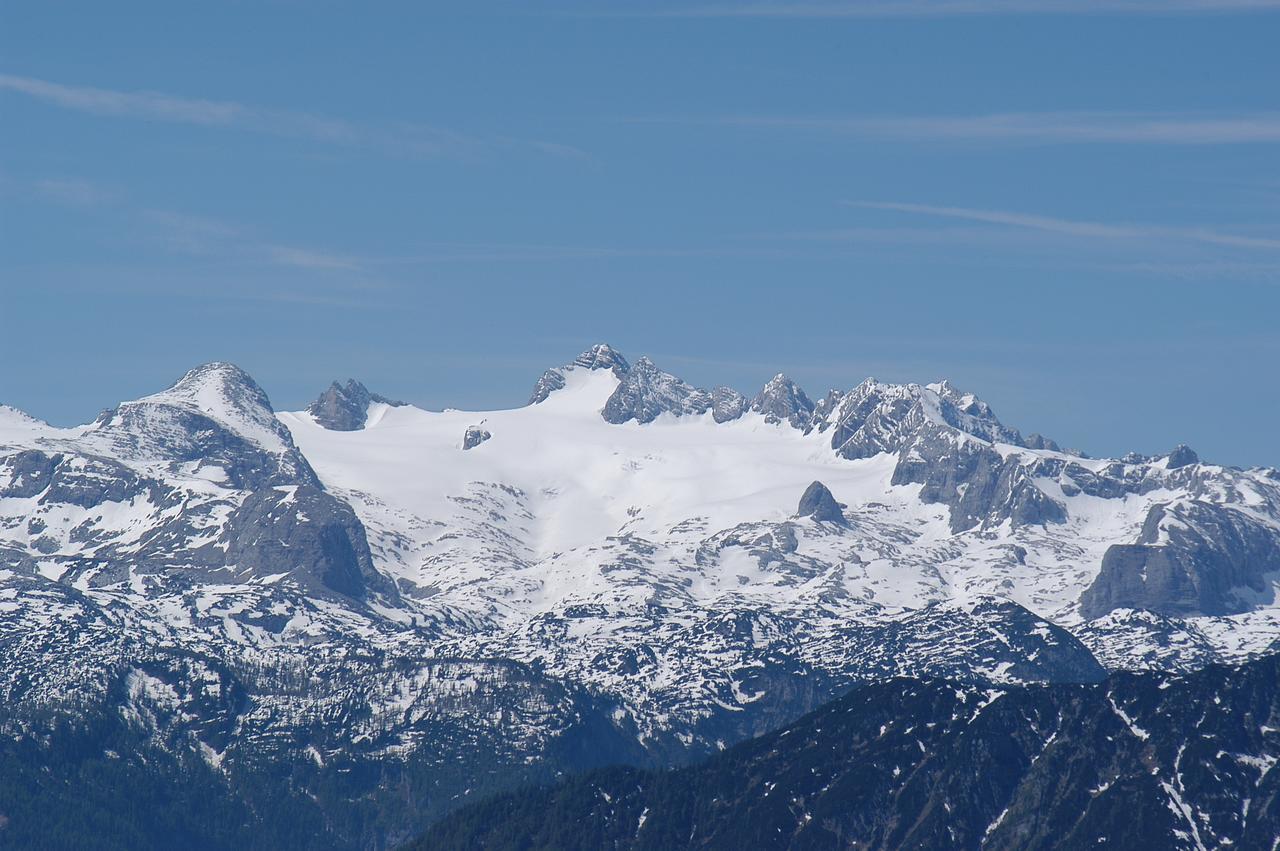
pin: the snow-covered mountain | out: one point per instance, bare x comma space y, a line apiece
628, 567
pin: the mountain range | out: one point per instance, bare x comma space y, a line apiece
369, 614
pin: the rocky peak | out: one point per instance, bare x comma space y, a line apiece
217, 415
971, 415
345, 407
599, 356
1181, 456
818, 503
646, 392
727, 404
603, 356
782, 400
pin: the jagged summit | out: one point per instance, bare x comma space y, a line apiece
727, 404
599, 356
646, 392
603, 356
782, 400
1181, 456
345, 407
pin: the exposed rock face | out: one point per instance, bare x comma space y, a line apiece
874, 417
603, 356
974, 482
304, 532
1192, 558
782, 400
1182, 456
599, 356
727, 404
647, 392
345, 407
29, 472
818, 503
1039, 441
474, 436
945, 440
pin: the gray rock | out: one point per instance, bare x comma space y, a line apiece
345, 407
973, 481
26, 473
782, 400
647, 392
307, 534
1039, 441
1182, 456
603, 356
474, 436
727, 404
943, 438
969, 414
818, 503
1191, 558
824, 410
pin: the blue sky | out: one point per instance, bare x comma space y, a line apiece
1072, 209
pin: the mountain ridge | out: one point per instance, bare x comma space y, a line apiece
530, 579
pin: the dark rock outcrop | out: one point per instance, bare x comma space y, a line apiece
474, 436
345, 407
307, 534
818, 503
27, 473
1182, 456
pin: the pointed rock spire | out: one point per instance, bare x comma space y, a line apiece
345, 407
782, 400
818, 503
603, 356
1181, 456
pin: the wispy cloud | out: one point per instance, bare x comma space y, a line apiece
959, 8
72, 191
1027, 127
404, 139
203, 237
1079, 228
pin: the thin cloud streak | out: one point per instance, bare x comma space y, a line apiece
405, 140
961, 8
1072, 227
1029, 127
